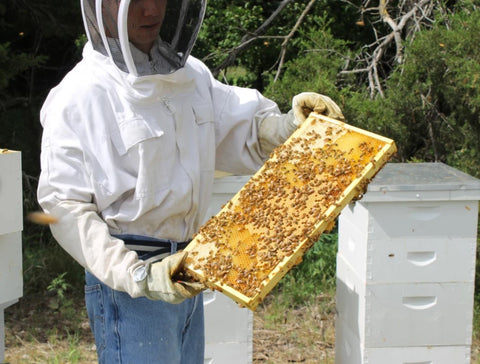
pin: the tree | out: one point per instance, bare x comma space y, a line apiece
440, 77
320, 59
393, 24
262, 36
431, 101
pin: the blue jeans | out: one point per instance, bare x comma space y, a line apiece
141, 331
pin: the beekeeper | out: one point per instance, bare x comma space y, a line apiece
131, 139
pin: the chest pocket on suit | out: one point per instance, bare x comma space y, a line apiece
132, 131
205, 120
146, 152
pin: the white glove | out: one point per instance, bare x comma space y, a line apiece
306, 102
275, 130
161, 282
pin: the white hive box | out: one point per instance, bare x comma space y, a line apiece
10, 192
11, 282
228, 328
350, 351
416, 219
406, 267
425, 256
11, 225
405, 314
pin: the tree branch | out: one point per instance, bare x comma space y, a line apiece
248, 39
406, 13
289, 36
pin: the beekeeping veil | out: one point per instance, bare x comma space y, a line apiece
106, 24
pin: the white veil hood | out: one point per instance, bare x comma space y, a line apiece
106, 25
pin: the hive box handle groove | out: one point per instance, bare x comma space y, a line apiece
419, 303
421, 259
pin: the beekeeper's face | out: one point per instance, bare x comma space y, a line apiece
112, 26
145, 18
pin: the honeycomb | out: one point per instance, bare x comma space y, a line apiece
265, 229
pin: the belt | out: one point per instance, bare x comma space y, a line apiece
149, 248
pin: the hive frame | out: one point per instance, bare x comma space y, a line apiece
353, 191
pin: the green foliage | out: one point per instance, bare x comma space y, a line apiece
12, 64
228, 22
72, 355
431, 104
439, 82
62, 302
47, 267
378, 116
224, 26
59, 285
315, 69
316, 274
237, 76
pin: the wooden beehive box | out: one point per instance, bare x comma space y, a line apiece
282, 210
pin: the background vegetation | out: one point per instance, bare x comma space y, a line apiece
408, 70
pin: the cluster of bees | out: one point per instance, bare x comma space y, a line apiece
278, 211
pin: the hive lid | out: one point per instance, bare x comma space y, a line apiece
427, 181
265, 229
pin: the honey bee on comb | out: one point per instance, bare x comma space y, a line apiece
283, 209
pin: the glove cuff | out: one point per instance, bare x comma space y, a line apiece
274, 130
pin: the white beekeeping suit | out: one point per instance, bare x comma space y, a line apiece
131, 140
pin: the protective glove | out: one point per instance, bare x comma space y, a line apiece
306, 102
275, 129
161, 284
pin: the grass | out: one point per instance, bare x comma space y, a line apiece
40, 329
57, 350
303, 334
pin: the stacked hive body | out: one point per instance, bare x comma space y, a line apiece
406, 268
265, 229
11, 281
